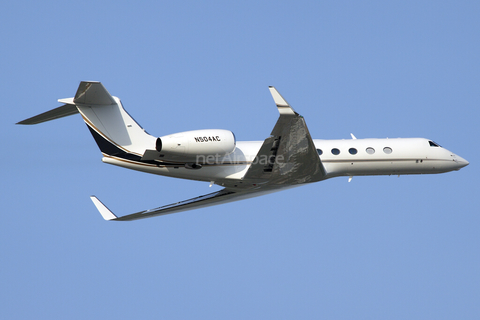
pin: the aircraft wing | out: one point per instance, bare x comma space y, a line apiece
211, 199
287, 158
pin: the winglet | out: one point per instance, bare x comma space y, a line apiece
104, 211
283, 107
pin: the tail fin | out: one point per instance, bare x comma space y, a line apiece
114, 130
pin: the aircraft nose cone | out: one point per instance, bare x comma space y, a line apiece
461, 162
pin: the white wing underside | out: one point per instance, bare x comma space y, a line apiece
293, 160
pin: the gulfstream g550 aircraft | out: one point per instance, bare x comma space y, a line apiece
288, 158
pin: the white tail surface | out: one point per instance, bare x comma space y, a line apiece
114, 130
112, 127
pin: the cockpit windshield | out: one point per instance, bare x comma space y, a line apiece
433, 144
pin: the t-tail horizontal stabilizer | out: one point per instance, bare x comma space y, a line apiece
90, 93
57, 113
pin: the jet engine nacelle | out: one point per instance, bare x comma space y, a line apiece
189, 145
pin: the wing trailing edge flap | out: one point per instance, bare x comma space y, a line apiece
211, 199
288, 156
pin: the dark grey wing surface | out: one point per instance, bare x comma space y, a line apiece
289, 155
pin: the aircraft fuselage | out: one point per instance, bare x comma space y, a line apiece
349, 157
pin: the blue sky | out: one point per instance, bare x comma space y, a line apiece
378, 247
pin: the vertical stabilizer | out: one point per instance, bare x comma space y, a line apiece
114, 130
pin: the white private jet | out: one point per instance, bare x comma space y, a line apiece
288, 158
